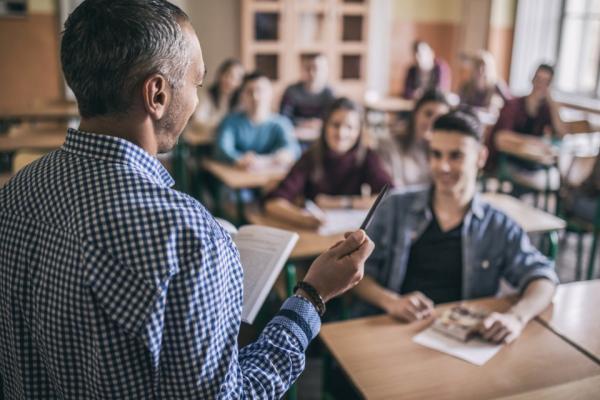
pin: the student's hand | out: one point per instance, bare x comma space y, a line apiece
410, 307
502, 327
311, 221
341, 267
246, 161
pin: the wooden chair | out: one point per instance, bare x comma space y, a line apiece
579, 126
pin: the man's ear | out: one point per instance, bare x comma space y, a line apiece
156, 95
483, 156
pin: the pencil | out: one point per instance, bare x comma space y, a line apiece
371, 212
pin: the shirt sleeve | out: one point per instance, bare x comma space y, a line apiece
225, 145
445, 78
294, 184
523, 262
199, 355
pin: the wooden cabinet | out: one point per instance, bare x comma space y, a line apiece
277, 33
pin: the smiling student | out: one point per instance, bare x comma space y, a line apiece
444, 244
333, 172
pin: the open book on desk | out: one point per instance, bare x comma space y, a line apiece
337, 220
263, 252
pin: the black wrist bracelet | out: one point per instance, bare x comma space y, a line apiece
314, 296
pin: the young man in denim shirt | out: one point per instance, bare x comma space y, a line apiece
442, 244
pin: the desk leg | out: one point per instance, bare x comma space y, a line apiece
290, 280
579, 261
552, 245
239, 204
180, 156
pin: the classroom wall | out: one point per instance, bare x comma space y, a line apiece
435, 21
217, 24
29, 47
501, 34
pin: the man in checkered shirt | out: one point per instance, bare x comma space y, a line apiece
113, 285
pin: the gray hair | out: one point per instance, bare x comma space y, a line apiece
109, 47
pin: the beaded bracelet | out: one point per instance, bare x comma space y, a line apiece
314, 296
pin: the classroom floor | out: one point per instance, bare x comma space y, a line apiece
309, 383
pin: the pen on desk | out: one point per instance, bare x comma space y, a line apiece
314, 210
371, 212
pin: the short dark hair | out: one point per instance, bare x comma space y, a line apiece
110, 46
461, 121
251, 77
545, 67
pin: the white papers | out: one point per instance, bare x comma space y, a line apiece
341, 220
476, 350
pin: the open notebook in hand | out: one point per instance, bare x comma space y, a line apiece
263, 252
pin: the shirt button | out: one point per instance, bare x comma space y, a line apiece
485, 264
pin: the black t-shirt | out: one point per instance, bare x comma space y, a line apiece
435, 264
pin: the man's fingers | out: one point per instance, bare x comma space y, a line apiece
350, 244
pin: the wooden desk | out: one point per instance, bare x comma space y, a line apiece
195, 136
238, 179
383, 362
583, 389
32, 139
574, 314
389, 104
531, 219
310, 244
52, 111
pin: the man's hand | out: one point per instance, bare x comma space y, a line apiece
341, 267
502, 327
410, 307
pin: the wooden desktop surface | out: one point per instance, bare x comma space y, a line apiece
389, 104
530, 218
583, 389
195, 136
40, 112
33, 139
383, 362
575, 314
236, 178
310, 244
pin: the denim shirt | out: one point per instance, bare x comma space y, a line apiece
493, 246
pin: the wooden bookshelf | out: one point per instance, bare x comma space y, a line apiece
277, 33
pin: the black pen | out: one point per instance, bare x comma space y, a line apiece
371, 212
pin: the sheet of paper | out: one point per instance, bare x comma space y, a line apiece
342, 220
476, 351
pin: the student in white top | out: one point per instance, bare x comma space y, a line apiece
218, 100
404, 152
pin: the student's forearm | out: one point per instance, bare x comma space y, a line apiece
374, 294
536, 297
557, 123
286, 211
507, 140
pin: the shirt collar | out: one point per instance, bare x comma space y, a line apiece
423, 204
118, 150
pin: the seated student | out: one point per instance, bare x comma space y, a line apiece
427, 72
255, 137
484, 89
405, 151
523, 122
332, 172
216, 102
305, 102
443, 244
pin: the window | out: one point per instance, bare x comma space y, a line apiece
578, 68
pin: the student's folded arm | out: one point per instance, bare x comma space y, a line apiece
524, 264
225, 146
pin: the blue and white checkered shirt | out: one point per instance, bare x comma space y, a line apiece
113, 285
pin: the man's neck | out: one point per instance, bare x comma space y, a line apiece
452, 204
259, 116
125, 128
314, 87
